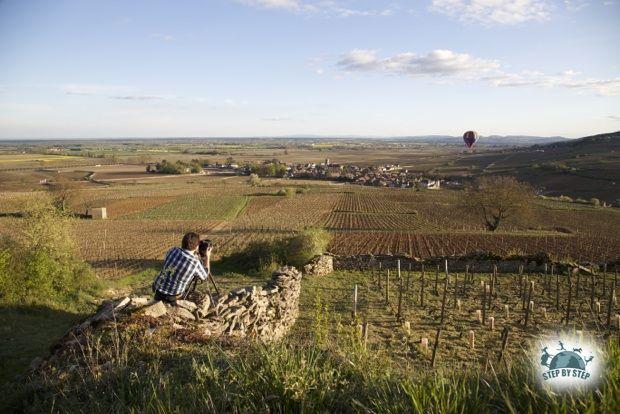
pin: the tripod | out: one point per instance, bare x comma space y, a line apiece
194, 283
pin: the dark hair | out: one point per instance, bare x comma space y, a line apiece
190, 241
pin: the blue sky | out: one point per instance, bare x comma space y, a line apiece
158, 68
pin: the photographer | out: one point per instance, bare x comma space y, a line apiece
181, 266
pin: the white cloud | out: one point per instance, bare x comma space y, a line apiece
112, 92
568, 79
576, 5
137, 97
614, 117
494, 12
446, 64
436, 63
316, 7
274, 4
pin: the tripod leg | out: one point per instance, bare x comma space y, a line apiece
214, 285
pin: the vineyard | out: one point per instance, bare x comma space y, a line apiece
504, 244
147, 218
402, 310
195, 206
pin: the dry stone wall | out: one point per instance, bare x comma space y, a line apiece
321, 265
265, 313
478, 263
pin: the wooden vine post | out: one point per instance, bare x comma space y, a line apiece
610, 303
441, 322
387, 287
570, 292
422, 287
529, 301
399, 315
557, 289
354, 312
504, 343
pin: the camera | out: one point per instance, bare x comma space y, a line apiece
204, 246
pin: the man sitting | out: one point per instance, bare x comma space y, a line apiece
181, 266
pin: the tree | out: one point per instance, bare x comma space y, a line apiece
494, 199
254, 180
64, 193
38, 261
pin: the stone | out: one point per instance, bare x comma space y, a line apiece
139, 301
265, 313
155, 310
320, 265
121, 304
180, 313
204, 306
186, 304
104, 313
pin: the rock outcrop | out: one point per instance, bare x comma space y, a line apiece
265, 313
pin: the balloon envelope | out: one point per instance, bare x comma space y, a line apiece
470, 138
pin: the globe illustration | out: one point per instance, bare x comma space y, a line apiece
567, 359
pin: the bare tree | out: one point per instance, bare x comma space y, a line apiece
63, 193
496, 198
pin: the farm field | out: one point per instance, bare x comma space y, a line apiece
146, 218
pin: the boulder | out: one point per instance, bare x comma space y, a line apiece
155, 310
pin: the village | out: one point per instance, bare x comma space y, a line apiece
388, 175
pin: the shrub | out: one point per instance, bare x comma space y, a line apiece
254, 180
287, 192
306, 245
264, 256
38, 263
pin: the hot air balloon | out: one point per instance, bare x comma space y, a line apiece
470, 138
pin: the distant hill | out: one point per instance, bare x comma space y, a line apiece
491, 140
601, 142
587, 167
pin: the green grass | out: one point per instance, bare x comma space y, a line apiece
196, 206
320, 367
164, 372
28, 332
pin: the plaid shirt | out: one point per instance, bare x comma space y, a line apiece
180, 266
